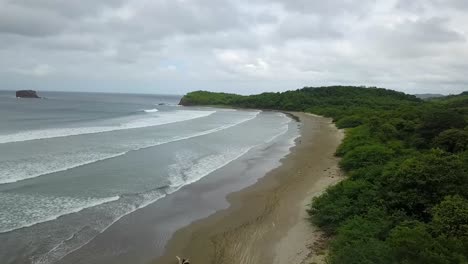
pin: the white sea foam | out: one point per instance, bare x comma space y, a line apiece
13, 171
283, 131
188, 170
26, 210
154, 110
156, 120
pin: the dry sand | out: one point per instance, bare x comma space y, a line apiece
267, 222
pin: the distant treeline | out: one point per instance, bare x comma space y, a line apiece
405, 199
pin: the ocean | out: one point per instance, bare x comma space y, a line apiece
72, 165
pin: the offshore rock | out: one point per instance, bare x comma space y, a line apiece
26, 94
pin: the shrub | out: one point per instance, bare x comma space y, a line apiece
349, 121
339, 202
361, 239
368, 155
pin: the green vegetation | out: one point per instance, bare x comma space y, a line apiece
405, 199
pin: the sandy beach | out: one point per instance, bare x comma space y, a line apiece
267, 222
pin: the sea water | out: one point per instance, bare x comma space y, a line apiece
72, 164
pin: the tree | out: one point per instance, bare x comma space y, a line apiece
434, 121
450, 217
349, 121
368, 155
423, 181
346, 199
361, 239
412, 243
452, 140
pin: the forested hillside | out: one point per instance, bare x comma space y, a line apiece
405, 199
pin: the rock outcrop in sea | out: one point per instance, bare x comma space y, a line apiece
26, 94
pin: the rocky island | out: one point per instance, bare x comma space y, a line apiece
26, 94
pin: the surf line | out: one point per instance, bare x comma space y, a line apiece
175, 139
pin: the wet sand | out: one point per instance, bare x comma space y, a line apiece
267, 222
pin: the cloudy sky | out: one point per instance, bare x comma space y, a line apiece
243, 46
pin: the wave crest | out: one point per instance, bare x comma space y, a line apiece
166, 118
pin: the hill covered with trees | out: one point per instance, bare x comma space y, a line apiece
405, 199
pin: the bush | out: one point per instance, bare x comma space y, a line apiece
355, 137
369, 173
361, 239
363, 156
349, 121
346, 199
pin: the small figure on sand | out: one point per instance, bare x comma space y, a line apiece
183, 261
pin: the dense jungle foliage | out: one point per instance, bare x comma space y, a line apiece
405, 199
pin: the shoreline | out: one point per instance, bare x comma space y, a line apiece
266, 222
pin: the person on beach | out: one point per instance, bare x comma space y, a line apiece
183, 261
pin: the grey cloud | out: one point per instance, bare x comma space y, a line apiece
329, 7
156, 20
169, 17
424, 5
222, 40
29, 22
413, 39
451, 3
69, 8
264, 18
70, 42
430, 30
419, 33
412, 6
38, 18
307, 26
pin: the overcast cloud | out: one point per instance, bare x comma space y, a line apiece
175, 46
